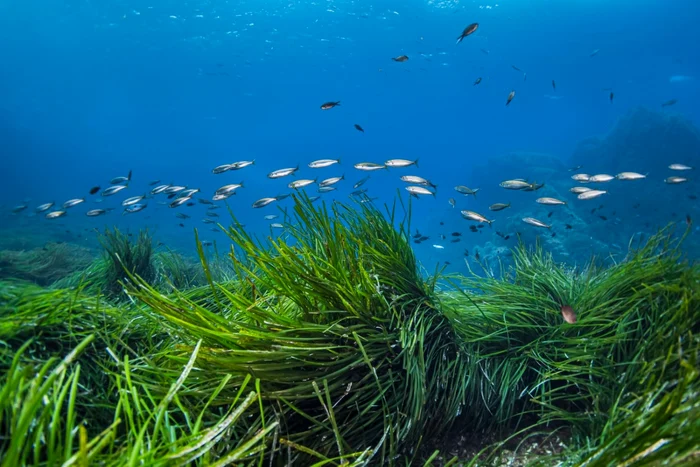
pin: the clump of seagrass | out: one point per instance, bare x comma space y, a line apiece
623, 378
44, 265
124, 257
337, 326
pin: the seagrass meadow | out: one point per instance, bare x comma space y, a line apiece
329, 345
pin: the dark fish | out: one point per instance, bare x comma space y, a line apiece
329, 105
417, 242
466, 252
456, 234
568, 314
510, 97
554, 234
447, 263
153, 182
400, 58
442, 236
612, 96
423, 238
693, 197
669, 103
688, 220
603, 217
506, 237
476, 255
478, 80
94, 190
204, 201
467, 31
550, 213
191, 203
181, 225
359, 128
568, 226
554, 85
517, 69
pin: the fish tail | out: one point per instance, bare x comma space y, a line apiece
129, 177
416, 162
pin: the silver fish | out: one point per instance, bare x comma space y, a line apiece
44, 207
601, 178
536, 223
174, 189
517, 184
282, 172
331, 181
229, 188
114, 189
581, 177
319, 164
301, 183
675, 180
550, 201
56, 214
400, 163
261, 203
465, 190
591, 194
117, 180
132, 200
498, 206
97, 212
221, 169
679, 167
419, 190
134, 208
579, 189
416, 180
222, 196
362, 182
475, 216
277, 226
367, 166
73, 202
208, 221
241, 164
159, 189
629, 176
178, 202
325, 189
188, 192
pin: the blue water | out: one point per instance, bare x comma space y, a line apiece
172, 89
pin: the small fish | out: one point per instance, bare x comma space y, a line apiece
56, 214
568, 314
211, 214
153, 182
439, 247
241, 164
478, 80
326, 189
181, 225
367, 166
209, 221
602, 217
669, 103
612, 96
181, 215
400, 163
550, 214
301, 183
319, 164
118, 180
515, 184
629, 176
44, 207
132, 200
679, 167
510, 97
550, 201
189, 192
468, 31
221, 169
579, 189
329, 105
73, 202
114, 189
229, 188
176, 203
277, 226
206, 201
465, 190
675, 180
594, 53
534, 186
475, 216
270, 217
419, 190
536, 223
554, 85
688, 220
456, 234
159, 189
134, 208
361, 182
568, 226
574, 169
600, 178
94, 190
400, 58
591, 194
19, 208
414, 179
359, 128
583, 178
452, 202
498, 206
331, 181
97, 212
282, 172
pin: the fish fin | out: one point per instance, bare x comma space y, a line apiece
129, 177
